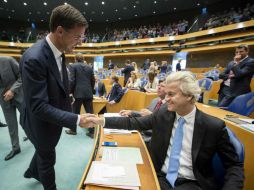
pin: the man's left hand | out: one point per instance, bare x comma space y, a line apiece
8, 95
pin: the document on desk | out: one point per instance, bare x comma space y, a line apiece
122, 176
250, 121
112, 115
122, 155
249, 127
118, 131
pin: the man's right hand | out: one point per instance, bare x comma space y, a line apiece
85, 120
125, 113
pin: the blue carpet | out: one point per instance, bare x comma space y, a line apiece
72, 155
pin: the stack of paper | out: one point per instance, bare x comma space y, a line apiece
112, 115
250, 121
118, 131
122, 176
249, 127
122, 154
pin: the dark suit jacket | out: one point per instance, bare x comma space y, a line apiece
101, 89
240, 84
115, 93
178, 67
209, 136
127, 72
46, 101
81, 80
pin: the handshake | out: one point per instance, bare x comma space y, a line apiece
90, 120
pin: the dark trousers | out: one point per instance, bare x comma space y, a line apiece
180, 184
42, 168
88, 105
225, 97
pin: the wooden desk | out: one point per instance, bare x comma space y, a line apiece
245, 136
146, 171
98, 104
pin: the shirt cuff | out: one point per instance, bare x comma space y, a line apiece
78, 120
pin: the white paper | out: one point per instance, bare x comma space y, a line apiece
122, 155
112, 115
118, 131
113, 174
249, 127
247, 120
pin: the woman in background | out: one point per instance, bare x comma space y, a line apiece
133, 81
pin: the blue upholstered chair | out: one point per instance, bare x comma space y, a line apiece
218, 168
243, 105
205, 83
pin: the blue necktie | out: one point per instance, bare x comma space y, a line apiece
174, 159
96, 91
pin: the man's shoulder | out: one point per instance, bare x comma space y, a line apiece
209, 120
36, 50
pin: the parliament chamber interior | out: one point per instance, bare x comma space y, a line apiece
126, 94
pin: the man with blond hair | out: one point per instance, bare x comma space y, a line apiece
185, 140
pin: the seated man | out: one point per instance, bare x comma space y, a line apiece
116, 91
185, 140
154, 106
99, 88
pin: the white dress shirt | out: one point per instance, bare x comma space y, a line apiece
58, 58
185, 168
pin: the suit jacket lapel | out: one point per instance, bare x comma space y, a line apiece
198, 134
53, 65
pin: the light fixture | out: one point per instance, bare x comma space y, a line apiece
116, 10
154, 12
198, 4
134, 6
25, 3
102, 2
155, 2
65, 3
5, 1
119, 18
135, 15
86, 3
175, 8
102, 12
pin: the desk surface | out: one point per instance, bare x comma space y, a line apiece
245, 136
146, 171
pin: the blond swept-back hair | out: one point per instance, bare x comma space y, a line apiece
188, 84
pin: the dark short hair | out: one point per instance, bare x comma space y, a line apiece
243, 46
162, 80
115, 78
66, 16
79, 57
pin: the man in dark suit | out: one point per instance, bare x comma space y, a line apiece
127, 71
46, 107
146, 64
99, 88
185, 140
236, 77
116, 91
110, 65
81, 86
11, 97
178, 65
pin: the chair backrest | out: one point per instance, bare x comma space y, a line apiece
218, 168
243, 104
205, 83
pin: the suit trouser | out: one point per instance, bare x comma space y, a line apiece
225, 97
180, 184
42, 168
88, 105
9, 110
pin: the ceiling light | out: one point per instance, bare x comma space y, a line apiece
154, 12
155, 2
175, 8
25, 3
116, 10
91, 20
65, 3
134, 6
9, 17
135, 15
102, 2
30, 13
45, 3
47, 13
86, 3
5, 1
198, 4
102, 12
107, 20
13, 10
42, 20
119, 18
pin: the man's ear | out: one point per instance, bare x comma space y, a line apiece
60, 30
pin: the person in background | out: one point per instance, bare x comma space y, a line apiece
178, 65
46, 108
154, 106
185, 140
152, 68
146, 64
134, 64
236, 76
11, 99
163, 67
3, 124
127, 71
133, 81
152, 83
99, 88
116, 92
81, 86
110, 65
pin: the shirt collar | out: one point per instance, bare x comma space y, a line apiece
189, 117
244, 58
55, 51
